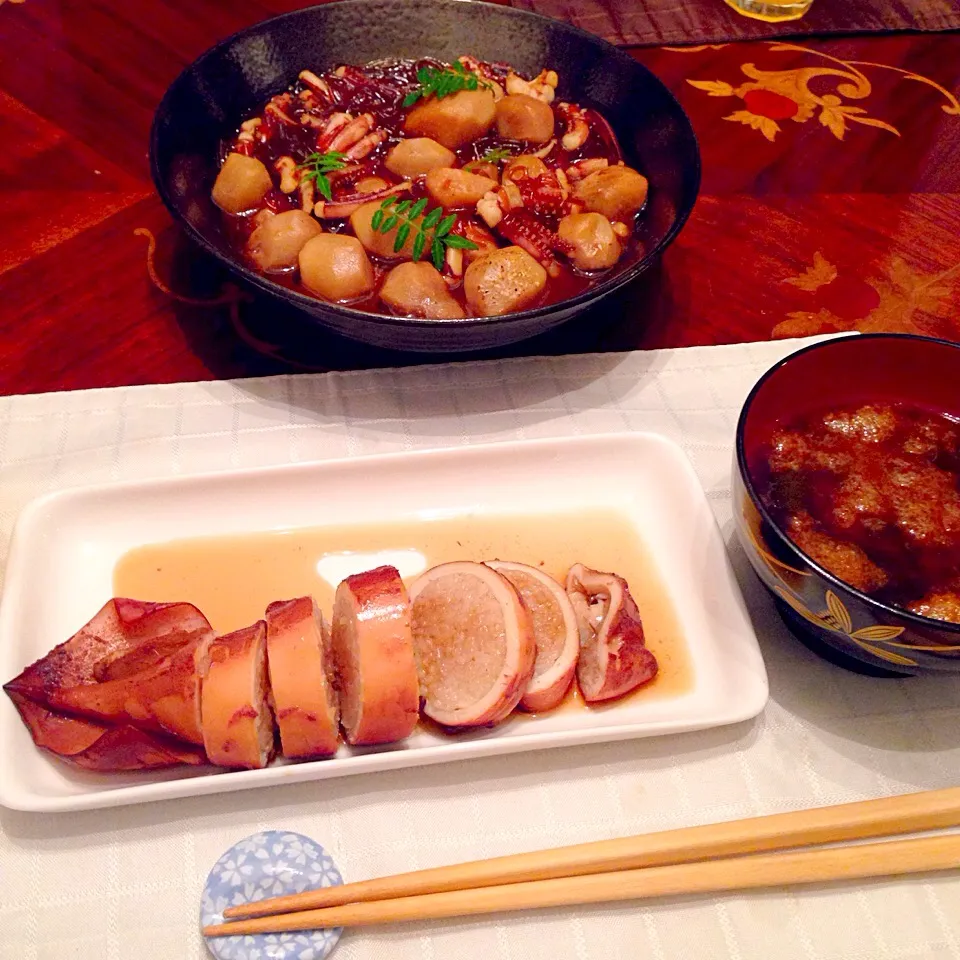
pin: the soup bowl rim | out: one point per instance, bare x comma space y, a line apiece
883, 610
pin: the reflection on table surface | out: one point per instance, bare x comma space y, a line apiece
829, 202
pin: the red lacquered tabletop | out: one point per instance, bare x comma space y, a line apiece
830, 201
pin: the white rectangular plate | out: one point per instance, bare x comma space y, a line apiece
65, 547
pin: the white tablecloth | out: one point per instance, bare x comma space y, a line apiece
125, 884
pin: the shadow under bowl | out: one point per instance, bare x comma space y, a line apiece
207, 102
836, 621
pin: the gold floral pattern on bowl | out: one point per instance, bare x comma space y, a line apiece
836, 618
751, 527
852, 629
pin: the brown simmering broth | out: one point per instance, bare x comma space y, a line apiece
233, 578
379, 88
872, 494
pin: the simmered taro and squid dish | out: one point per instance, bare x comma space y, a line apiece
430, 190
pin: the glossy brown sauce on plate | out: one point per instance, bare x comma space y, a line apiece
872, 493
233, 578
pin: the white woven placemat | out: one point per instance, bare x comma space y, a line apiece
123, 884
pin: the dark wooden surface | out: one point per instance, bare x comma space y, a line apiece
654, 22
830, 200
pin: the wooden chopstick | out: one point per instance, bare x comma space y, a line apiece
910, 813
855, 862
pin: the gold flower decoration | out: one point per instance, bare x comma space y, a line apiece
820, 274
893, 297
773, 96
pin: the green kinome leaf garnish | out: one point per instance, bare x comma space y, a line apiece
316, 166
442, 83
496, 154
493, 155
432, 231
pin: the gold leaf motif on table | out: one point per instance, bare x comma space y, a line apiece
775, 95
874, 122
908, 301
697, 48
904, 292
769, 128
714, 88
818, 275
808, 323
834, 116
833, 120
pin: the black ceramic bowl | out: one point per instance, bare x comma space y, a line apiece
840, 623
210, 98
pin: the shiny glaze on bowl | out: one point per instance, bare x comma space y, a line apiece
833, 619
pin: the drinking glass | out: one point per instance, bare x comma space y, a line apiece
773, 11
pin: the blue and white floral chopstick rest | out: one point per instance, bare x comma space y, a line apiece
269, 864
